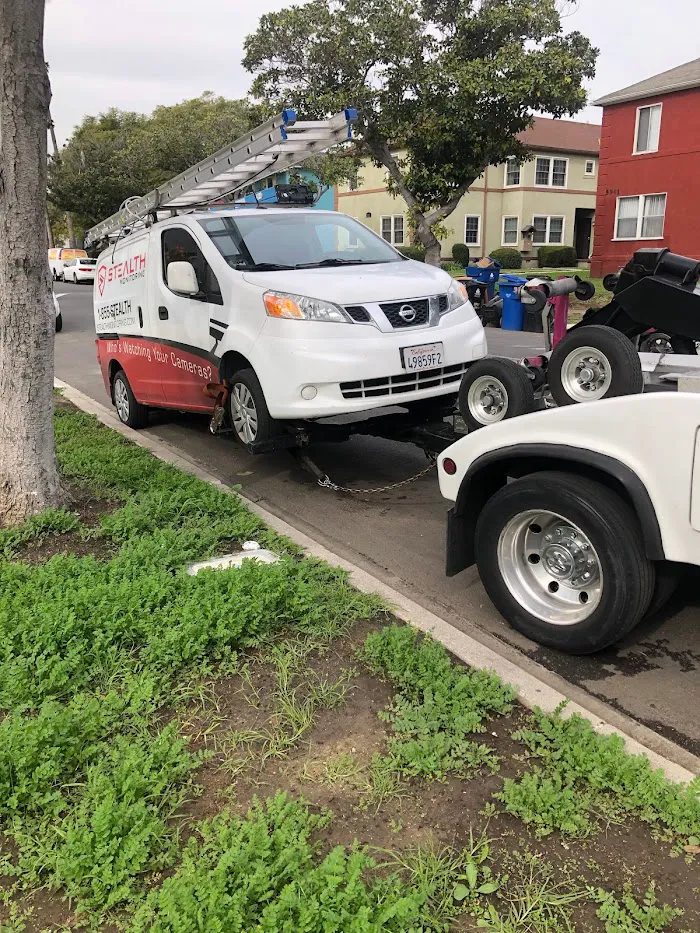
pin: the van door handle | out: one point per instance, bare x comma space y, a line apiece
140, 317
163, 313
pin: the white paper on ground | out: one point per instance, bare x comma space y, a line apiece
233, 560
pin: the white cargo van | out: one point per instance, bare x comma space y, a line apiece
295, 313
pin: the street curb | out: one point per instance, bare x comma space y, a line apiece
532, 692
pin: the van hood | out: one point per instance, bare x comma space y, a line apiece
346, 285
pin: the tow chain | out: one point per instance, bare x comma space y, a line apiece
328, 483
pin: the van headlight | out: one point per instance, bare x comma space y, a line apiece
457, 295
300, 308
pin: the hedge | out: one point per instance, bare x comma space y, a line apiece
508, 258
557, 257
460, 254
415, 251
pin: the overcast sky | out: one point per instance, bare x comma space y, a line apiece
136, 54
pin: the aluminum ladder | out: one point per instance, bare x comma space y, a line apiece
274, 146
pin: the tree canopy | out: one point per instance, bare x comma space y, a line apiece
451, 83
118, 154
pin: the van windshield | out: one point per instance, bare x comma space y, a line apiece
260, 241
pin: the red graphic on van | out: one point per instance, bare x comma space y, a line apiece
133, 268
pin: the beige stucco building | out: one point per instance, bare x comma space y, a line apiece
554, 193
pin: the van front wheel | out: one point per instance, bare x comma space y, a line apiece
250, 418
129, 411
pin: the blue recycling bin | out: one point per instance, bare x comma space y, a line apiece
513, 311
488, 276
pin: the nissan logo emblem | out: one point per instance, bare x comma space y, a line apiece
407, 313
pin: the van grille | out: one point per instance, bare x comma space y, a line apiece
393, 313
406, 382
358, 313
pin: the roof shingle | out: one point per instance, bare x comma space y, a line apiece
562, 136
676, 79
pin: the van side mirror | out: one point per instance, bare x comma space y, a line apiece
182, 278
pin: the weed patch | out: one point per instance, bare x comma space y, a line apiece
437, 706
628, 916
583, 776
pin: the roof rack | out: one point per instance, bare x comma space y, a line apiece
276, 145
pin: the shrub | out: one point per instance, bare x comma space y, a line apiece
460, 254
414, 251
509, 258
557, 257
454, 268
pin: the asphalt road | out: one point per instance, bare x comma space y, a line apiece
398, 536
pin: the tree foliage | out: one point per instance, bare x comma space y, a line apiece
118, 154
450, 82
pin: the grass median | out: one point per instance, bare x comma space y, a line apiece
264, 749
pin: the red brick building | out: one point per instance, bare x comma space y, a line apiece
649, 176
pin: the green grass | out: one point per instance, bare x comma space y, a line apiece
582, 777
90, 650
438, 704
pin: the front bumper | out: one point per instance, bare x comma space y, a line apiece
357, 368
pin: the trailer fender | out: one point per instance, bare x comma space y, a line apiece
491, 471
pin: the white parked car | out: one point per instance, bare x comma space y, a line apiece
79, 270
59, 256
294, 313
59, 316
579, 519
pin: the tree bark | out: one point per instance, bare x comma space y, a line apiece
28, 474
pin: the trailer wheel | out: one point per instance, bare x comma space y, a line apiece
129, 411
493, 390
562, 559
593, 363
248, 409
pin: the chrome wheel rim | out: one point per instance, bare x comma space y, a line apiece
121, 400
586, 374
244, 414
487, 400
550, 567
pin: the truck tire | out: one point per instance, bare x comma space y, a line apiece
538, 537
668, 576
594, 363
250, 417
129, 411
493, 390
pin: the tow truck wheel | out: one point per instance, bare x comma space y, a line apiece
129, 411
248, 410
493, 390
562, 558
593, 363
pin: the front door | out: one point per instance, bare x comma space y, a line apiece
582, 236
183, 324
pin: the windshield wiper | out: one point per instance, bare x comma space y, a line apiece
341, 262
263, 267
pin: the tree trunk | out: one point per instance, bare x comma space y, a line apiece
28, 474
433, 252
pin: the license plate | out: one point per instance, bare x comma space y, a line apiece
427, 356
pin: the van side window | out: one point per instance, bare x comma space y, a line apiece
179, 246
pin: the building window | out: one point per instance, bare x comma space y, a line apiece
512, 173
548, 230
640, 217
551, 172
510, 231
648, 129
590, 167
392, 229
472, 229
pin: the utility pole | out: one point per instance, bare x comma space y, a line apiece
69, 217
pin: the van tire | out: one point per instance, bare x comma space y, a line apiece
129, 411
59, 323
250, 417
